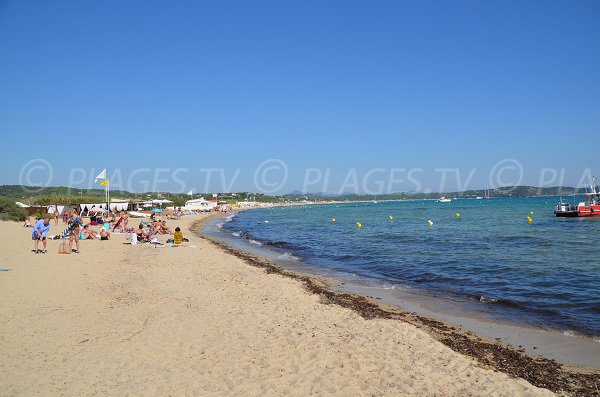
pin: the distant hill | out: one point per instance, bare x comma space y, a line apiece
31, 194
513, 191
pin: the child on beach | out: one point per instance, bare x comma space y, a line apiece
40, 231
177, 236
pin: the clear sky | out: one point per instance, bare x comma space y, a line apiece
160, 92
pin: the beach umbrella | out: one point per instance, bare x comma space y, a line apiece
156, 210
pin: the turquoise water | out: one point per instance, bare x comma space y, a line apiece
546, 273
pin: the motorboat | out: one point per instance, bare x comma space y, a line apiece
590, 206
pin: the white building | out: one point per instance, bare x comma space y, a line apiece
199, 205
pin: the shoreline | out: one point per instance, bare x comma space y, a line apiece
119, 319
515, 362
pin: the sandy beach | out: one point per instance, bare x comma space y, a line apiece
136, 320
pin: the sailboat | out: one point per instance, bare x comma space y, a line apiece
487, 194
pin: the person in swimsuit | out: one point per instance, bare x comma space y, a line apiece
104, 234
73, 224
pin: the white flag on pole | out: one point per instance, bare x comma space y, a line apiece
101, 175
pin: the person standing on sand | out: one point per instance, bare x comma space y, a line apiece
74, 223
40, 231
56, 213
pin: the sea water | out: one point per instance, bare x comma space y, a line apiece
545, 272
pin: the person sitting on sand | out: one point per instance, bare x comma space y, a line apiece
163, 228
104, 234
27, 222
40, 231
88, 234
142, 235
177, 236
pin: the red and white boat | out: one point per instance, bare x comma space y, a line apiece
589, 207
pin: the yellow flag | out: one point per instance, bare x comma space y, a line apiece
104, 182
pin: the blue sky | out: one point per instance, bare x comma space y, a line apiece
147, 88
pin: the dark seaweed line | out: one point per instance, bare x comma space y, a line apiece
538, 371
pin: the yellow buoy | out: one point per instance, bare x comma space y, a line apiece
529, 220
430, 223
391, 218
332, 219
358, 225
457, 215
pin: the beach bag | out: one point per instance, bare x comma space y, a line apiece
63, 248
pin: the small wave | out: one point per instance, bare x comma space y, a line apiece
388, 286
288, 256
236, 234
255, 242
501, 302
279, 244
220, 226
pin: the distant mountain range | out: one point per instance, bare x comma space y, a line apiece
34, 194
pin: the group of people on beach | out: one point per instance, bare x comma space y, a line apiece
149, 231
76, 230
41, 230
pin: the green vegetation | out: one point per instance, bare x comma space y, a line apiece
64, 195
9, 211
